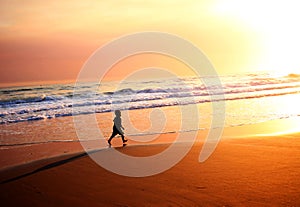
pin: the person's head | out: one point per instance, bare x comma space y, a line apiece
117, 112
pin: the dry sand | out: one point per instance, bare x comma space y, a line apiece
253, 171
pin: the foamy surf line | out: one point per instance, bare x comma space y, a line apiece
39, 103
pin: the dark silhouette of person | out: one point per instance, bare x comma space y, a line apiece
117, 128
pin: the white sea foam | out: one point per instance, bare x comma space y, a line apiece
45, 102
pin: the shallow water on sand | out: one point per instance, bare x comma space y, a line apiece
44, 114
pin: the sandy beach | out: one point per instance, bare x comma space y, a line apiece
248, 171
149, 103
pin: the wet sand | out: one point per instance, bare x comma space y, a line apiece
248, 171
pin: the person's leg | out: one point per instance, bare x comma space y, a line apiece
123, 139
112, 136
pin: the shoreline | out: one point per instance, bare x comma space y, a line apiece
26, 154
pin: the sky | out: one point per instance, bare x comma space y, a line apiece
43, 41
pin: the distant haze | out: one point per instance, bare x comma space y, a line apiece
42, 41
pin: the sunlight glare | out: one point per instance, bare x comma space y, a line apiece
277, 24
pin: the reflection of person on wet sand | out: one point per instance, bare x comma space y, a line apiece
117, 128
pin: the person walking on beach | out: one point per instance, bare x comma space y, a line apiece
117, 128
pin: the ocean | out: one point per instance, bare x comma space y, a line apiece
250, 98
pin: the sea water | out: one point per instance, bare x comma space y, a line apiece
249, 98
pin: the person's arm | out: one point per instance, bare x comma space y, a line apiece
121, 126
118, 124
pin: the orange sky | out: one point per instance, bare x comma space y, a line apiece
50, 40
